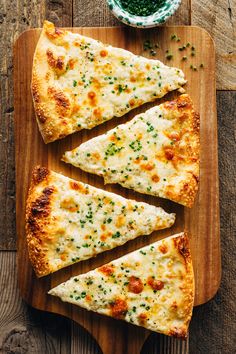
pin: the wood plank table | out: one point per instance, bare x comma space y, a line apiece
25, 330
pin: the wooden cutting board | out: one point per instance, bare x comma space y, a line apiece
202, 221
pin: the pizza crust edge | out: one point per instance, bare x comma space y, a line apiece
37, 210
51, 112
189, 189
182, 245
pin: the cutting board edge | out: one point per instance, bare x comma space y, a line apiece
59, 311
36, 29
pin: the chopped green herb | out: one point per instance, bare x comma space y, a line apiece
86, 245
194, 68
122, 88
116, 235
135, 145
150, 127
147, 45
169, 56
112, 149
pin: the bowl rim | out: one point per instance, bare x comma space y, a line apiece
152, 20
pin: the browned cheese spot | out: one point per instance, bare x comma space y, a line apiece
119, 308
107, 269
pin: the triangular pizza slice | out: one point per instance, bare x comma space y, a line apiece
68, 221
152, 287
156, 153
79, 82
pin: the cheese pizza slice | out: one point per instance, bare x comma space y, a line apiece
79, 82
156, 153
152, 287
69, 221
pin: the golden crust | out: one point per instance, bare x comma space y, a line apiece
181, 244
189, 120
37, 214
53, 107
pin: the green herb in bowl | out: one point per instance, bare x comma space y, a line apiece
143, 13
142, 7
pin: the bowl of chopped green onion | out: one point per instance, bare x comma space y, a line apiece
143, 13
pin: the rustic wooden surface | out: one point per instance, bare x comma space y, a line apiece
24, 330
202, 221
219, 19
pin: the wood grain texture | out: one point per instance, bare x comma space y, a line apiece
30, 150
160, 344
213, 324
219, 19
15, 17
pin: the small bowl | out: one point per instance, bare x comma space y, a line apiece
153, 20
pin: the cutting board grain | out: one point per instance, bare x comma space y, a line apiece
202, 221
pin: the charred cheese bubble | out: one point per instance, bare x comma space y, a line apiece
156, 153
141, 287
69, 221
79, 82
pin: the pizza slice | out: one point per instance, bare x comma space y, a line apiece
79, 82
152, 287
69, 221
156, 153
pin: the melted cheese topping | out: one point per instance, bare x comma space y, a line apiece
84, 221
151, 287
157, 152
91, 82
